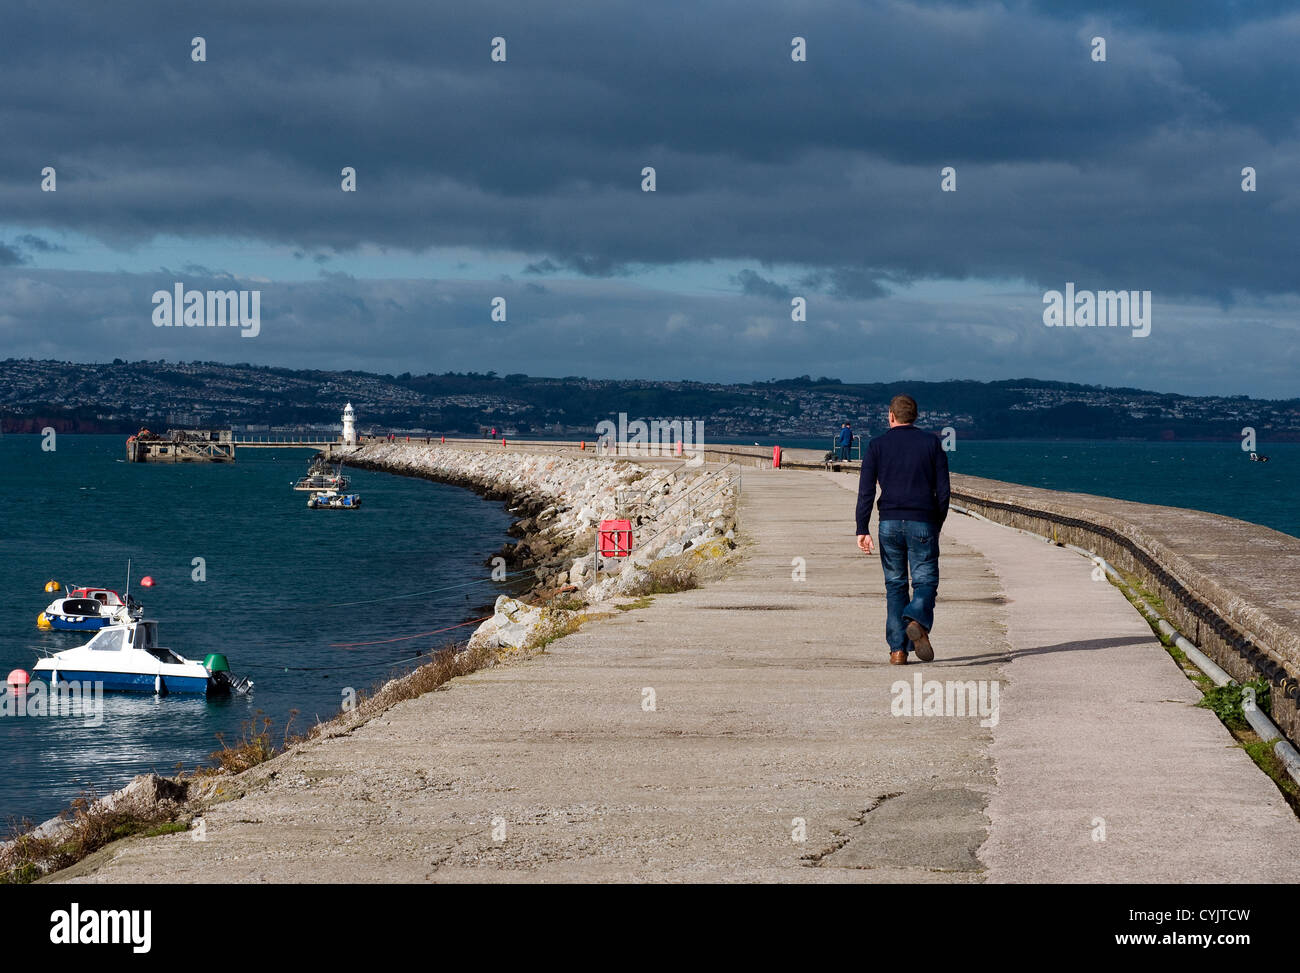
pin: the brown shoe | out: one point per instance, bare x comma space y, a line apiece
898, 658
920, 641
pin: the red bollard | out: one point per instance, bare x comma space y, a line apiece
503, 440
444, 440
583, 445
776, 457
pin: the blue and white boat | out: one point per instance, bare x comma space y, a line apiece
81, 609
125, 656
333, 500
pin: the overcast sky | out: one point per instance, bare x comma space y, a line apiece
776, 179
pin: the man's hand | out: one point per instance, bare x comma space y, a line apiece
864, 543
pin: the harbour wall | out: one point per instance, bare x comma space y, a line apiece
1229, 586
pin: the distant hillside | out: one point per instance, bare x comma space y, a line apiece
122, 396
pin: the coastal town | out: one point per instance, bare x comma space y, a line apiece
256, 400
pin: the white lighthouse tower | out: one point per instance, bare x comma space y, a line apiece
349, 426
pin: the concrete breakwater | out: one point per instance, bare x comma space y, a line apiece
676, 510
770, 698
1227, 585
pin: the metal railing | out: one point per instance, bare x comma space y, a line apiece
688, 513
855, 449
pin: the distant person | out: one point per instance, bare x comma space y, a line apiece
844, 442
912, 469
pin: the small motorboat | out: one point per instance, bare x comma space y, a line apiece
82, 609
125, 657
333, 500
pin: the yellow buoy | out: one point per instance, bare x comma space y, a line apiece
52, 586
43, 622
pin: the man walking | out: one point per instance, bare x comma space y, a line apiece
912, 470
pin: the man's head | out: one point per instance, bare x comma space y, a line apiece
902, 410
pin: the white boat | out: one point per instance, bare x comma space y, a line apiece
125, 656
81, 609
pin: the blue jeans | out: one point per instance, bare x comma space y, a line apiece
908, 546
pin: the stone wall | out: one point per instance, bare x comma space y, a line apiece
560, 498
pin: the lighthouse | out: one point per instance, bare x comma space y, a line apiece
349, 426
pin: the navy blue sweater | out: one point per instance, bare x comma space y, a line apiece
912, 470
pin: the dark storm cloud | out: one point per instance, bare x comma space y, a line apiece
39, 244
753, 284
20, 251
1122, 174
846, 282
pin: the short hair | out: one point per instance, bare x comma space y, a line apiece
904, 408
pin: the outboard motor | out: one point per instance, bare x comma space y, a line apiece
221, 682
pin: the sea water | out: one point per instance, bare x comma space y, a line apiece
281, 591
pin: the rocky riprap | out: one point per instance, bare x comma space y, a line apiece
560, 501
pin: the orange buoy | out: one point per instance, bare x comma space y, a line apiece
18, 677
146, 582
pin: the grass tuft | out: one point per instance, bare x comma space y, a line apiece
642, 602
665, 582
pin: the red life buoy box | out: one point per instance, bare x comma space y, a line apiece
615, 538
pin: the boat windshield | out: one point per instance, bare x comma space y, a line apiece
109, 640
80, 606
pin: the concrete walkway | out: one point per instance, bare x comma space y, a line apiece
771, 752
1106, 769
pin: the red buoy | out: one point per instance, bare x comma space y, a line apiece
18, 677
146, 582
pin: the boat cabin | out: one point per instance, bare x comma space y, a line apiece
142, 636
105, 596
